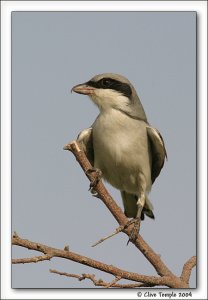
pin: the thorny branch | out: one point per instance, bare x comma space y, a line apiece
165, 278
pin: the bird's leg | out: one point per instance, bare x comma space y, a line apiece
137, 220
96, 179
140, 204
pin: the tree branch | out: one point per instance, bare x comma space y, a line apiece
110, 269
187, 268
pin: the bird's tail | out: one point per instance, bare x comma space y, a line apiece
130, 206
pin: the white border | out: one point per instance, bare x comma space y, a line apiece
6, 8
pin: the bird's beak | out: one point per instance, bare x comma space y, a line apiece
83, 88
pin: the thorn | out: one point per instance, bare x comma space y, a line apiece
127, 242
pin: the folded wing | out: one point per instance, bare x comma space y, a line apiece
158, 151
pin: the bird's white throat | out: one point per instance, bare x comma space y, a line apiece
107, 99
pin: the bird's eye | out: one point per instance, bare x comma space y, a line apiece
106, 82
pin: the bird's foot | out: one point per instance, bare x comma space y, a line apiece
135, 230
96, 179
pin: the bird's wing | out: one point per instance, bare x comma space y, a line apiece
85, 141
158, 151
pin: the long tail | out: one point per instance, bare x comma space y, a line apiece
130, 206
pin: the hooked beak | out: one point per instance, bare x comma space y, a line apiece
83, 88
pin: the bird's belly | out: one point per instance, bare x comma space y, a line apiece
121, 159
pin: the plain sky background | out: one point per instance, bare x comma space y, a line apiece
53, 51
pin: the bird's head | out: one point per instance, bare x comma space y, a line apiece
112, 91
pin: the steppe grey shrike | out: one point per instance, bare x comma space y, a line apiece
129, 152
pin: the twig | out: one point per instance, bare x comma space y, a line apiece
113, 282
101, 282
65, 274
33, 259
119, 229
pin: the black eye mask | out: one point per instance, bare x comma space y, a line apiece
109, 83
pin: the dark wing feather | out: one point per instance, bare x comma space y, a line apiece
158, 151
85, 140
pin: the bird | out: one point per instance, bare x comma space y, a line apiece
121, 143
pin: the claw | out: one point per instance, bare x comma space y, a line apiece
97, 178
96, 195
135, 229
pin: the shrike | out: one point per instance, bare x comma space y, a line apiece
129, 152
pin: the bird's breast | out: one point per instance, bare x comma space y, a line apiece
121, 149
